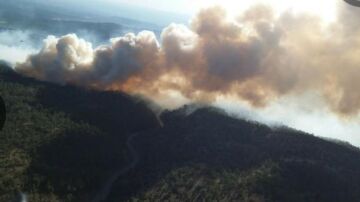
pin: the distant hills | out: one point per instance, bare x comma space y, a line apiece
38, 19
61, 143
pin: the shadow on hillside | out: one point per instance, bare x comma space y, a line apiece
112, 112
309, 167
76, 163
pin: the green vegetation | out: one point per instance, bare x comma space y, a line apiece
199, 183
58, 143
61, 143
209, 156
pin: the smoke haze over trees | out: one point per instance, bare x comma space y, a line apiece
258, 58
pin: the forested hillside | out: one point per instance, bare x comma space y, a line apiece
209, 156
61, 143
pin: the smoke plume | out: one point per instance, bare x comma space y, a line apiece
257, 57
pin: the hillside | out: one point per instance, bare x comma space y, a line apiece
209, 156
61, 143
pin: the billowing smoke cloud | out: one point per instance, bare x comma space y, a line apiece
258, 57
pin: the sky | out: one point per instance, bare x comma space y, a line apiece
182, 11
324, 8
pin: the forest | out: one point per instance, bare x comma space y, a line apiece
61, 143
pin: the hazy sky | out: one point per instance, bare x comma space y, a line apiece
324, 8
186, 9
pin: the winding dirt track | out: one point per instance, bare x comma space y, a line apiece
104, 192
106, 188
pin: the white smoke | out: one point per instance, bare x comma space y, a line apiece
259, 59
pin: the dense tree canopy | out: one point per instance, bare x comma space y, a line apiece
61, 143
